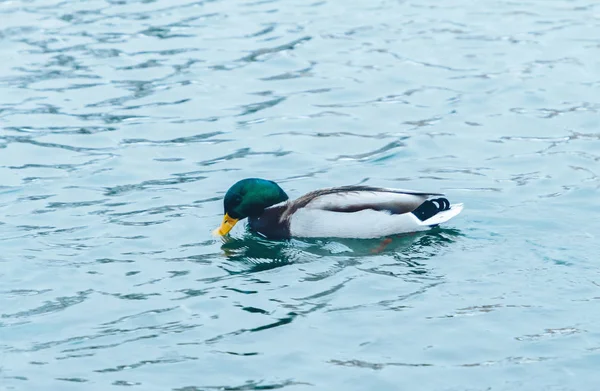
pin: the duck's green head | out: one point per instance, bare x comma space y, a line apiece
248, 198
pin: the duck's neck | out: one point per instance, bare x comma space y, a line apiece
270, 223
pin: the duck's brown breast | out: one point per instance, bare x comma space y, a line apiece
270, 223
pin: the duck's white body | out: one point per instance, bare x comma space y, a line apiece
363, 224
364, 214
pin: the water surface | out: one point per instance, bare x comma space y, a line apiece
124, 122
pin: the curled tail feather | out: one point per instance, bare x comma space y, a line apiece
430, 208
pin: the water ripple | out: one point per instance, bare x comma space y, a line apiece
125, 122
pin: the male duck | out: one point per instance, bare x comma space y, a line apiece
361, 212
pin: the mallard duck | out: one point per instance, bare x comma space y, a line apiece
361, 212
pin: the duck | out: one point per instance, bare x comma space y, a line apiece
352, 212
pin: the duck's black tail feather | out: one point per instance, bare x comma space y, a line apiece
430, 208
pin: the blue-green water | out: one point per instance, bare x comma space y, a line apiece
124, 122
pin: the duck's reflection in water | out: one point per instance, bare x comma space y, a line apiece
253, 253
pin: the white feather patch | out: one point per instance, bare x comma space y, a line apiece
364, 224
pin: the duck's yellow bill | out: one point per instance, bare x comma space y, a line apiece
226, 226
